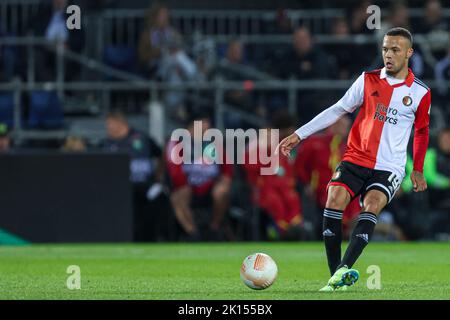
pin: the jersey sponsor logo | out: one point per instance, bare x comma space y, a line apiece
407, 101
385, 114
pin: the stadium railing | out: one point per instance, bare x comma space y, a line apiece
129, 82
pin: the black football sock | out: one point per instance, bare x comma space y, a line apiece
360, 238
332, 236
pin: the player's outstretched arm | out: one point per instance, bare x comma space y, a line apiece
287, 144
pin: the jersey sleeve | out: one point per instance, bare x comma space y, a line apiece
352, 99
421, 131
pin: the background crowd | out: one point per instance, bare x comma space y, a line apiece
235, 202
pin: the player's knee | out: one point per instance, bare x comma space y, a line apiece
337, 200
373, 204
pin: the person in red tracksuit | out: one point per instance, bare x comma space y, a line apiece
316, 160
276, 194
199, 183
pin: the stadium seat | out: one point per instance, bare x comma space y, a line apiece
45, 110
7, 108
120, 57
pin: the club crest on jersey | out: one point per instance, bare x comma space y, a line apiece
336, 175
407, 101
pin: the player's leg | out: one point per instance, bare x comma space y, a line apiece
337, 200
221, 196
347, 181
374, 201
181, 200
379, 191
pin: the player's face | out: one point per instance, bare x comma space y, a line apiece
396, 51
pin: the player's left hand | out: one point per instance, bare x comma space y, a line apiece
287, 144
418, 181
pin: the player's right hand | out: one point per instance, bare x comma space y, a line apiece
287, 144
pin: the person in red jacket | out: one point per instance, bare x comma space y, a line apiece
316, 160
276, 194
201, 184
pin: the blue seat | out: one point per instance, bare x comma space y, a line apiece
45, 110
120, 57
7, 108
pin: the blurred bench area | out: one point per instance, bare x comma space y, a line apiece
86, 116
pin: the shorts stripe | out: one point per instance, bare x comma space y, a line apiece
335, 183
384, 188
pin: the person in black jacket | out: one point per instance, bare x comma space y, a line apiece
146, 174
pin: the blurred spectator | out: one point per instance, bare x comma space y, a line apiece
442, 75
358, 19
233, 68
276, 194
199, 186
160, 43
155, 38
435, 28
161, 53
145, 169
5, 140
317, 158
204, 52
436, 169
437, 201
74, 144
386, 228
342, 52
307, 61
50, 22
230, 69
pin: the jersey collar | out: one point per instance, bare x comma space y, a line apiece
408, 81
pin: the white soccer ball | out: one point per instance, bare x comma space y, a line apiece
259, 271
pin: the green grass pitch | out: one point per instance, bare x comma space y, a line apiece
211, 271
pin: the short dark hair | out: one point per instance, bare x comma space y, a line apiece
402, 32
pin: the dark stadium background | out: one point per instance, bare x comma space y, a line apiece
62, 180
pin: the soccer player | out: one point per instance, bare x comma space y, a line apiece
390, 101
